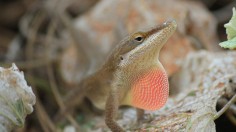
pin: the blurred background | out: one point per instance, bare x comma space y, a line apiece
55, 41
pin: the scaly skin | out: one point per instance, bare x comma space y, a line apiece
132, 75
147, 87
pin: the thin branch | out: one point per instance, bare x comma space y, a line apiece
58, 96
43, 117
32, 34
231, 101
218, 81
52, 80
223, 101
29, 64
231, 117
81, 48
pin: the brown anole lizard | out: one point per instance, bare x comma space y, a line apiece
132, 75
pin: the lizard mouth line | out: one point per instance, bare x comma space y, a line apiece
169, 23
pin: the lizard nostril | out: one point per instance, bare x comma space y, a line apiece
121, 58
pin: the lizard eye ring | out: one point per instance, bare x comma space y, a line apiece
139, 37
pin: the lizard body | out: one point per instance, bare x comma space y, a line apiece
132, 75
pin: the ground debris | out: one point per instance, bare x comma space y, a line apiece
202, 81
194, 108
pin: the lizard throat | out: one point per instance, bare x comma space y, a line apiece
150, 90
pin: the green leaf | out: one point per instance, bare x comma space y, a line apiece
231, 44
231, 33
231, 26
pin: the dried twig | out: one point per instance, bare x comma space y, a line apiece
217, 82
29, 64
231, 101
231, 117
83, 56
58, 96
32, 33
43, 117
52, 80
40, 111
223, 101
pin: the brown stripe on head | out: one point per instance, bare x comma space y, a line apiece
170, 23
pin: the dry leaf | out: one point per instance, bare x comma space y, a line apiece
16, 99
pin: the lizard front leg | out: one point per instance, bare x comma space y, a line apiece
112, 105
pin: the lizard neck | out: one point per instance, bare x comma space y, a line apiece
100, 86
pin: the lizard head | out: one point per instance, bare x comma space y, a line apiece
144, 46
139, 56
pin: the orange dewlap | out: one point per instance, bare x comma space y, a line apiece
150, 90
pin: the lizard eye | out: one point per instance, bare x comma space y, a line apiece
139, 38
